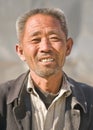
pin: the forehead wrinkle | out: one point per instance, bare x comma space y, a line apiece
37, 21
36, 33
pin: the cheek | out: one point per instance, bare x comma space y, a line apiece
60, 48
61, 53
30, 54
29, 51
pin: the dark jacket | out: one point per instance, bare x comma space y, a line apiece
15, 106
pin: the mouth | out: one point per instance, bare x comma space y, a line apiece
45, 60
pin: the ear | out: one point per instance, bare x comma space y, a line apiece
20, 51
69, 45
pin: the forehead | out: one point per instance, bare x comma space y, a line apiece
42, 21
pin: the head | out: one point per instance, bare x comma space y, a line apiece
43, 40
55, 12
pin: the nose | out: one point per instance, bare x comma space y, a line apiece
45, 45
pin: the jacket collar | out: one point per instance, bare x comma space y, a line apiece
17, 87
78, 97
17, 92
22, 106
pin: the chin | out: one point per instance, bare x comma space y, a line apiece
46, 73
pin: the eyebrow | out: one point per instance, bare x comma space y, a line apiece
52, 32
36, 33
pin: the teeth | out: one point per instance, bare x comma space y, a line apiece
47, 60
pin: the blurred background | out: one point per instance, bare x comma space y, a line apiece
79, 13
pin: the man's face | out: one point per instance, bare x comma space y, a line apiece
44, 46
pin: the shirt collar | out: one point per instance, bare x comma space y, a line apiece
68, 87
30, 86
65, 87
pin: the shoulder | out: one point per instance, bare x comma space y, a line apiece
9, 91
83, 88
81, 85
7, 86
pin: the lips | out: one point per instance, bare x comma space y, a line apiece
44, 60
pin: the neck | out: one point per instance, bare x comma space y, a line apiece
50, 84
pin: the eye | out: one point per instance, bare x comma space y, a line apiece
54, 38
35, 40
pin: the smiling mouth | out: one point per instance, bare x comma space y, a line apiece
45, 60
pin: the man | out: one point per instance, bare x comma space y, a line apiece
45, 98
